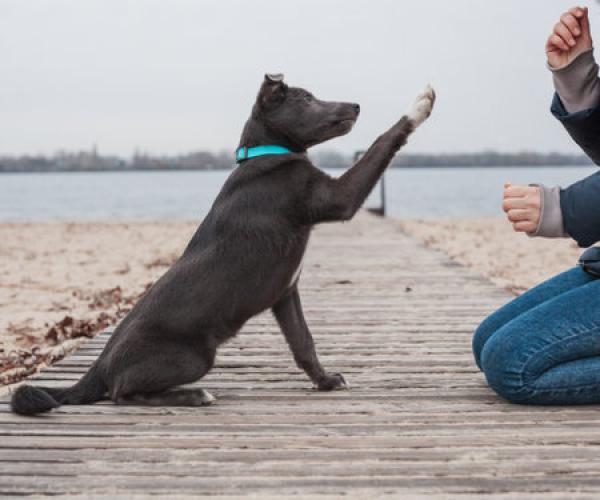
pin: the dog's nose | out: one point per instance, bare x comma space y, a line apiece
356, 107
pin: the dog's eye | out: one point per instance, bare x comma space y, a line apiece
308, 97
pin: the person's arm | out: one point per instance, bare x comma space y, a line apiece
574, 211
576, 102
576, 105
580, 207
551, 222
577, 85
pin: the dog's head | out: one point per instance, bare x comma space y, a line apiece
299, 117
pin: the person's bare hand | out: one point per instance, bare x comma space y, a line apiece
570, 37
522, 205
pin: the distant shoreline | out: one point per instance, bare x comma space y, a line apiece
328, 167
92, 161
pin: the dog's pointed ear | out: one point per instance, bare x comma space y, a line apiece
272, 90
274, 77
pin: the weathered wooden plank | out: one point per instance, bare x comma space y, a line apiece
24, 484
348, 443
478, 416
464, 454
307, 469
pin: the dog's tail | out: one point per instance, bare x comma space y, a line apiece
29, 400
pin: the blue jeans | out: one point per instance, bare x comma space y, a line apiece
543, 348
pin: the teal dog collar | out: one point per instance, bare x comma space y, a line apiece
243, 154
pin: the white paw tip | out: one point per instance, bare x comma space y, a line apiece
423, 106
428, 94
207, 398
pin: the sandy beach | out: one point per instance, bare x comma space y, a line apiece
513, 261
63, 281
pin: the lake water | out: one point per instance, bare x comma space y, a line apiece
411, 193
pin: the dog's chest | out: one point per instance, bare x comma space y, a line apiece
298, 270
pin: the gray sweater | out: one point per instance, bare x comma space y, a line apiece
578, 86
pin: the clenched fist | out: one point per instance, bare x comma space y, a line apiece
570, 37
522, 205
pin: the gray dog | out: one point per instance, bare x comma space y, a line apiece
245, 257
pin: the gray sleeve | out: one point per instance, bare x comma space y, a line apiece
551, 219
577, 83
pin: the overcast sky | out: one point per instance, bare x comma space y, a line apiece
173, 76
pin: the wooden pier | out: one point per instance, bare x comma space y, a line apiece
419, 422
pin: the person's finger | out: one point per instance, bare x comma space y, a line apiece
584, 22
524, 227
556, 43
571, 23
578, 12
507, 185
513, 204
516, 191
518, 215
563, 32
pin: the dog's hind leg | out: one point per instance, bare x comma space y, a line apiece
154, 379
289, 315
175, 397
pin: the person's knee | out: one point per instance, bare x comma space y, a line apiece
477, 346
503, 366
482, 334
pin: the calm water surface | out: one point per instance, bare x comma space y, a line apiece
412, 193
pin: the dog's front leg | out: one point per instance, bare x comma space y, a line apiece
289, 315
339, 199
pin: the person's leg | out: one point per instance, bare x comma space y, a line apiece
558, 285
549, 355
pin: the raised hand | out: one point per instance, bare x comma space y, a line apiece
570, 37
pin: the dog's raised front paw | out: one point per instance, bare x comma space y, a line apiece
332, 382
422, 106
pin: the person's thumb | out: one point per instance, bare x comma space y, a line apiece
585, 26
